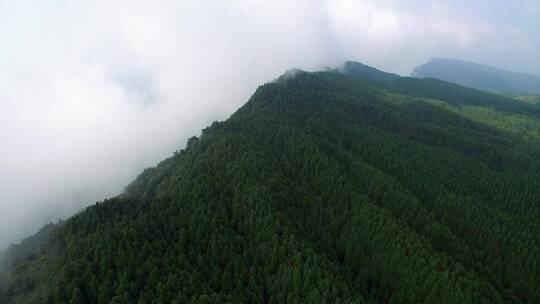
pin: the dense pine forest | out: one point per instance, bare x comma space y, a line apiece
344, 186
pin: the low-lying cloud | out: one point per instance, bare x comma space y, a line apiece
91, 92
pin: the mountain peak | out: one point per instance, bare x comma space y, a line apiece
366, 72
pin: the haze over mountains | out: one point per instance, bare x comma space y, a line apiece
277, 171
479, 76
350, 185
92, 92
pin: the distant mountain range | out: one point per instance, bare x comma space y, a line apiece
479, 76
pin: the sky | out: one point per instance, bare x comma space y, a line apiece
92, 92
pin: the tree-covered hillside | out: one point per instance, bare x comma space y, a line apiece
324, 187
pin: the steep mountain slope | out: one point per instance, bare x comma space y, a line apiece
479, 76
325, 187
27, 249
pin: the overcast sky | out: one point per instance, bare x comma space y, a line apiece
93, 91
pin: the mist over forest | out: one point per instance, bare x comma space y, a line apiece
94, 92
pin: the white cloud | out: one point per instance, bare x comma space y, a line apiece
92, 92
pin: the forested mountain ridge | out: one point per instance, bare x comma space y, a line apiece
325, 187
479, 76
